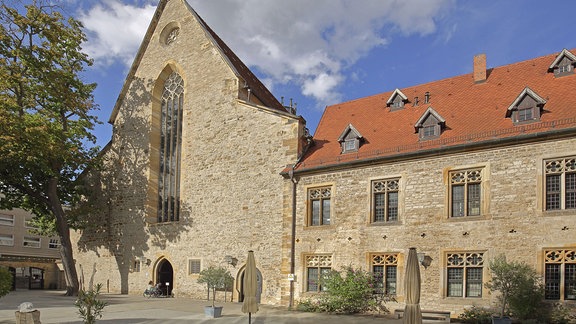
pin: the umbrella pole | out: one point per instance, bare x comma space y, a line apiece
249, 318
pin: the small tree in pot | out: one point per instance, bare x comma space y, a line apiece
214, 278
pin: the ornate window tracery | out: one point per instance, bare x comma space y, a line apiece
465, 193
316, 267
560, 183
464, 274
560, 274
385, 200
170, 149
385, 270
319, 206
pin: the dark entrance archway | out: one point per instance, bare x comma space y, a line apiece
165, 277
36, 278
240, 284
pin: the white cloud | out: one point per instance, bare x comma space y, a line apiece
115, 30
307, 43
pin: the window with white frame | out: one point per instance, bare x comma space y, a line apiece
54, 243
316, 267
319, 206
465, 193
6, 220
385, 200
385, 271
6, 239
194, 266
31, 242
560, 183
464, 272
560, 274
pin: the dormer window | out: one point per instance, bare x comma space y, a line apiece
350, 139
563, 64
527, 107
396, 100
430, 125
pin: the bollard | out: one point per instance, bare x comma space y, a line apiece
26, 314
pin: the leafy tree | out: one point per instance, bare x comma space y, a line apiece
45, 121
519, 285
5, 281
215, 278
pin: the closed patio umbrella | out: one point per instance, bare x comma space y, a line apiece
412, 312
250, 285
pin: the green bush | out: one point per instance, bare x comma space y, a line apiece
520, 287
559, 314
89, 305
347, 292
476, 315
5, 281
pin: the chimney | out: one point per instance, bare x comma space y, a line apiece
479, 68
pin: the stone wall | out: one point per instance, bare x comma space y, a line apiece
513, 220
232, 154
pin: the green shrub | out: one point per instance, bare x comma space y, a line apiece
5, 281
347, 292
308, 305
89, 305
476, 315
559, 314
520, 287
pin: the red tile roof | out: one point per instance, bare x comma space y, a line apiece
474, 113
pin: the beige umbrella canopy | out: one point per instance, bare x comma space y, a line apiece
412, 312
250, 285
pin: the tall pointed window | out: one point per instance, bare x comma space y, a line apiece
170, 149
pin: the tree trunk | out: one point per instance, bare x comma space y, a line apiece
65, 243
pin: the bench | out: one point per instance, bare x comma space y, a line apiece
428, 316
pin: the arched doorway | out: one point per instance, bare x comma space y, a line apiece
240, 284
165, 277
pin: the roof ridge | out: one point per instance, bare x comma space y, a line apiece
445, 79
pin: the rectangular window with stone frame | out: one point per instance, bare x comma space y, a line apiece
464, 274
385, 271
385, 200
560, 274
319, 200
560, 183
316, 267
465, 192
194, 266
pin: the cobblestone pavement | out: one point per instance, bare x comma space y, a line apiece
54, 307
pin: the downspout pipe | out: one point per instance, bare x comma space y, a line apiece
293, 235
294, 182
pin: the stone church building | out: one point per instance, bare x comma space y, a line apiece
206, 164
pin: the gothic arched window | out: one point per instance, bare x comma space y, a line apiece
170, 149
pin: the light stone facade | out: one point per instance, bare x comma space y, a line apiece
233, 150
235, 146
513, 221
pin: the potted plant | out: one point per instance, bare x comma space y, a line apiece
214, 278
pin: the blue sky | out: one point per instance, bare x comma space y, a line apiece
324, 52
